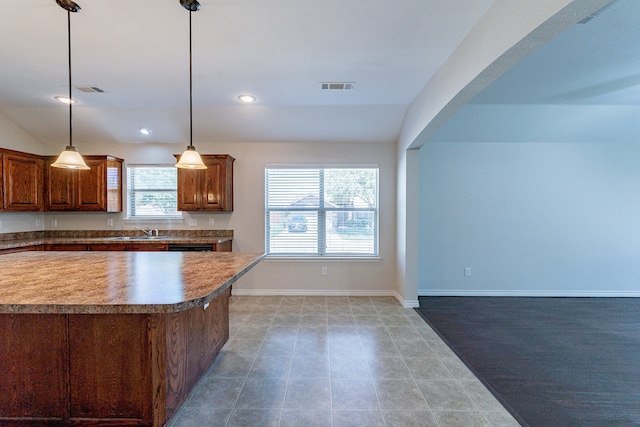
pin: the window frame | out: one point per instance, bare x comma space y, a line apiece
131, 191
322, 212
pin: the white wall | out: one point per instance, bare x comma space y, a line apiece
507, 32
247, 220
14, 137
530, 219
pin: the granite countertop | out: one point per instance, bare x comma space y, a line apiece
137, 239
91, 237
117, 282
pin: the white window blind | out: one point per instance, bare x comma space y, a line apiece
152, 191
314, 211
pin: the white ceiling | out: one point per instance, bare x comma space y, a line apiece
277, 50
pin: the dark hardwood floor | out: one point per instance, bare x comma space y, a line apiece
554, 361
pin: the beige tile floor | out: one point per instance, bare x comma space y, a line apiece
337, 362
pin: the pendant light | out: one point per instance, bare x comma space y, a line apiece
70, 158
190, 159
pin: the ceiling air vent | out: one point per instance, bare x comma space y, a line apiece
89, 89
337, 85
595, 14
587, 19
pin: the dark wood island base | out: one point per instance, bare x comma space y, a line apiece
105, 369
110, 338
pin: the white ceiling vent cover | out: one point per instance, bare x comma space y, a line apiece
337, 85
89, 89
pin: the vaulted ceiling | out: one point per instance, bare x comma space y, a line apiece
280, 51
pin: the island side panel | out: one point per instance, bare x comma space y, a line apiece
158, 355
194, 339
33, 369
110, 369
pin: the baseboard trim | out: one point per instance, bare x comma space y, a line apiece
309, 292
407, 303
326, 293
511, 293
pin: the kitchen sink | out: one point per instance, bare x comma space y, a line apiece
125, 238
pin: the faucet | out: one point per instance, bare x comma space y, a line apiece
146, 230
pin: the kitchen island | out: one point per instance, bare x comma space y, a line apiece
110, 338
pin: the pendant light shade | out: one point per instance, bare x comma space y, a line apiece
190, 159
70, 158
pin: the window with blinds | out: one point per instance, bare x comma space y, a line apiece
152, 192
314, 211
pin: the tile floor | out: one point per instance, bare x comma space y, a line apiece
336, 361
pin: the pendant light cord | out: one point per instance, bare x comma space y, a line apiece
190, 86
70, 99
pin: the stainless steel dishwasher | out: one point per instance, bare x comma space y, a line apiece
186, 247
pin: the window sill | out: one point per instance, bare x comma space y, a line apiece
292, 258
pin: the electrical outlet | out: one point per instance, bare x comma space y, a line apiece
193, 222
467, 271
109, 222
0, 224
324, 271
54, 222
211, 221
38, 223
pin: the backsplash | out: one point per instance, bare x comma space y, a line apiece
111, 233
116, 233
21, 235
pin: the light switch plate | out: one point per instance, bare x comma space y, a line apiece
193, 222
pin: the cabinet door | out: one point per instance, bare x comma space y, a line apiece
22, 183
210, 189
112, 247
222, 246
214, 186
91, 187
65, 247
189, 193
59, 188
21, 249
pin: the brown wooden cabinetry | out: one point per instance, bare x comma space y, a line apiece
147, 247
208, 189
96, 190
65, 247
21, 188
113, 247
107, 369
29, 248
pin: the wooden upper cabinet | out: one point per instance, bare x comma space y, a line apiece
98, 189
60, 186
21, 182
208, 189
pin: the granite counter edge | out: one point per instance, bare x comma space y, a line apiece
127, 308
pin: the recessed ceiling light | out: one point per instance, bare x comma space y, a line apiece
247, 99
65, 100
145, 131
